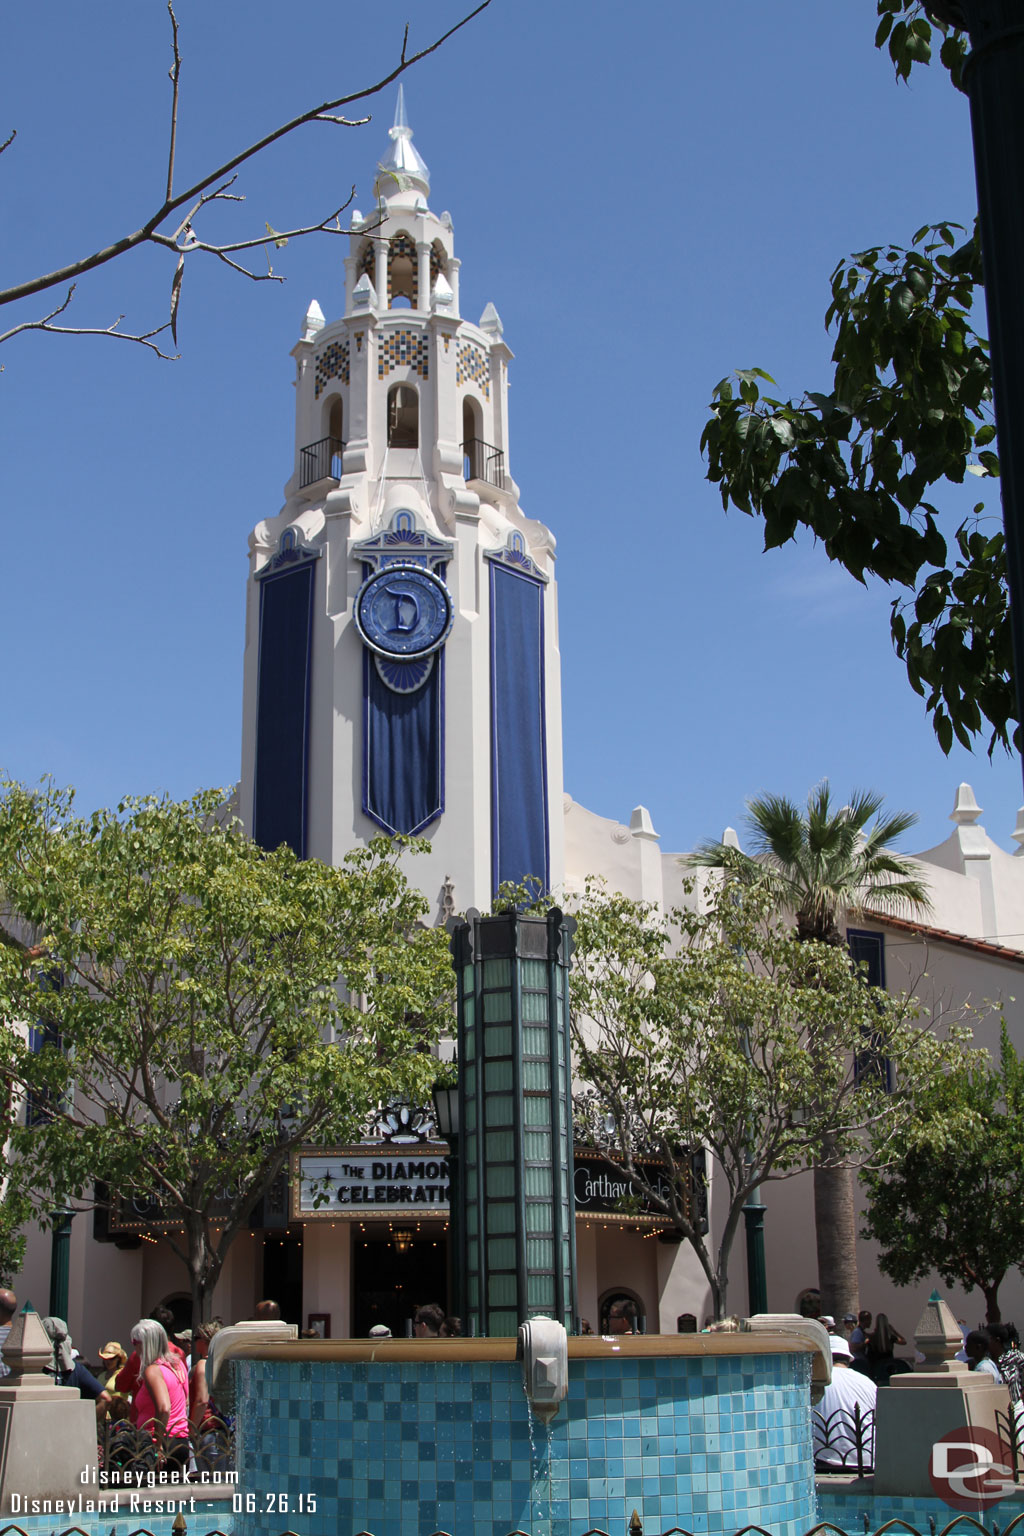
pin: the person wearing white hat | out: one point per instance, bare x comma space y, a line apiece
845, 1415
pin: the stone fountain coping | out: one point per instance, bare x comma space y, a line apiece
588, 1347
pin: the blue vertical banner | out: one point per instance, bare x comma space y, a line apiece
403, 612
519, 786
403, 745
281, 789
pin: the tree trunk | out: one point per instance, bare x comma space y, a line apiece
836, 1234
992, 1312
204, 1272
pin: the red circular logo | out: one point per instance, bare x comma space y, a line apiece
971, 1469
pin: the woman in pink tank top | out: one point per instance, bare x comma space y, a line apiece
160, 1405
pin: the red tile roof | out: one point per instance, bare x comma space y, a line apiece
946, 936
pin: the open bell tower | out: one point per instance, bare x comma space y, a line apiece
401, 667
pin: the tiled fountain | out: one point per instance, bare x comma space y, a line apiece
710, 1432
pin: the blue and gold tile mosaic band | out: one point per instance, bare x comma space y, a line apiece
331, 363
404, 349
471, 367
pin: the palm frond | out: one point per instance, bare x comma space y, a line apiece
827, 861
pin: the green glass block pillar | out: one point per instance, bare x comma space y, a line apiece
517, 1213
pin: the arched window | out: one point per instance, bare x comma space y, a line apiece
336, 435
628, 1308
403, 417
402, 274
438, 262
367, 263
472, 440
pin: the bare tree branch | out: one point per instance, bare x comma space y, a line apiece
172, 204
174, 75
330, 225
144, 338
9, 140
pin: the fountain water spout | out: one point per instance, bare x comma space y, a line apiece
545, 1356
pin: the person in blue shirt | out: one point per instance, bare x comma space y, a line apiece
979, 1351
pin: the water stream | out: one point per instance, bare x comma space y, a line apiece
540, 1474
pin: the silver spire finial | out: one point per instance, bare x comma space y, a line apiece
403, 167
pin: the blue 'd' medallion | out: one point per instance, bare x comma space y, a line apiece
404, 612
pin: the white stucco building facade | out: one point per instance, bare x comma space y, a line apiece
402, 675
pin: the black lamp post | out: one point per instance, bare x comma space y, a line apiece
446, 1116
994, 82
60, 1261
757, 1284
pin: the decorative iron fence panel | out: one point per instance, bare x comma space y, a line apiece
844, 1441
126, 1453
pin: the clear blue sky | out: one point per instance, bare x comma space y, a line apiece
651, 196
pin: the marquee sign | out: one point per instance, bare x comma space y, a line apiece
603, 1192
351, 1184
411, 1179
406, 1179
600, 1190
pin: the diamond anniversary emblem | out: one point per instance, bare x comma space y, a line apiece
404, 611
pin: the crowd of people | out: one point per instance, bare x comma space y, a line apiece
864, 1361
156, 1395
152, 1395
429, 1321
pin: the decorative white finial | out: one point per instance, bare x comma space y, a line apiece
1018, 831
400, 117
364, 294
965, 808
730, 839
640, 823
490, 321
314, 321
443, 294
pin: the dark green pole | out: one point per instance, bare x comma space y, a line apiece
514, 1196
455, 1244
757, 1283
994, 82
60, 1261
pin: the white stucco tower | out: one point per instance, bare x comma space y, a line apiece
401, 666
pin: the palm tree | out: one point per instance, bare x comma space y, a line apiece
827, 864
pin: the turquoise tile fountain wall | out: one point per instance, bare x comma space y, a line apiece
709, 1443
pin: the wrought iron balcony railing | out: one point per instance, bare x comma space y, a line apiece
321, 461
482, 462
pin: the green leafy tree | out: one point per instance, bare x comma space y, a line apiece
950, 1198
208, 1006
907, 29
908, 407
15, 1211
824, 864
719, 1029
